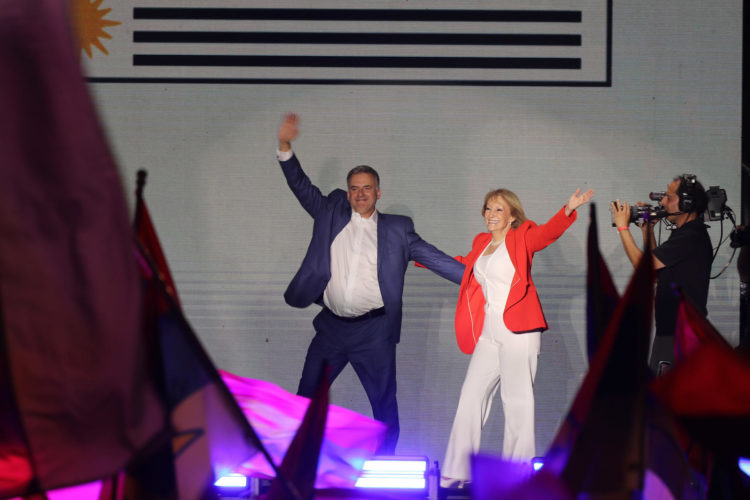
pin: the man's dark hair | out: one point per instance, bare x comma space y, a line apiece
363, 169
693, 197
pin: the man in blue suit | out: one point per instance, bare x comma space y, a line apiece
354, 268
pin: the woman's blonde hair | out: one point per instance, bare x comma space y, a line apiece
516, 209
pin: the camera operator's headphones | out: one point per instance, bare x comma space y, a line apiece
686, 192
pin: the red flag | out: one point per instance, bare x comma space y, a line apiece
601, 294
600, 446
709, 390
16, 474
692, 330
72, 350
145, 233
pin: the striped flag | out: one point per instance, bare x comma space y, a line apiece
210, 436
462, 42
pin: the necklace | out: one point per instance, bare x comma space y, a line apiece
496, 243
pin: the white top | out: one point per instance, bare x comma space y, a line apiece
495, 273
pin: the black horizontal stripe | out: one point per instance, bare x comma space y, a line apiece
358, 62
451, 15
356, 38
348, 81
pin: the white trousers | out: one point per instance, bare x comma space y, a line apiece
508, 360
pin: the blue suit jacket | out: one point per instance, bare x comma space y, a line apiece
398, 243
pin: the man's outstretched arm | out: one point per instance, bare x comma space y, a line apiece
309, 196
427, 255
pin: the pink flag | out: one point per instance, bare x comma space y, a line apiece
275, 414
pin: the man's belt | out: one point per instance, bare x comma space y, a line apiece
380, 311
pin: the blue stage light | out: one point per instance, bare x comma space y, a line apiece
395, 473
232, 481
537, 463
744, 465
233, 485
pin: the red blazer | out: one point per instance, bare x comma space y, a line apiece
523, 311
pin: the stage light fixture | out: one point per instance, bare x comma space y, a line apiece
232, 481
395, 473
537, 463
233, 485
744, 465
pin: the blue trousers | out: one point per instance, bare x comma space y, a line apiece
365, 344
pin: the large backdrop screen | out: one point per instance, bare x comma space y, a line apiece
447, 100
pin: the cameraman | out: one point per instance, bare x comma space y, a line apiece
684, 260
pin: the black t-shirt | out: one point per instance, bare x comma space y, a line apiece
686, 256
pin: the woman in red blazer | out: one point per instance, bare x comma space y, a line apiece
499, 320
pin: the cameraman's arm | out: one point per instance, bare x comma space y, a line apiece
648, 235
650, 240
621, 216
631, 249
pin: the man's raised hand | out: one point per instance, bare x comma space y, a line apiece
288, 131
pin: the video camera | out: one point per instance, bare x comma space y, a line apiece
642, 213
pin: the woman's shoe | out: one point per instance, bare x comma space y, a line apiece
454, 484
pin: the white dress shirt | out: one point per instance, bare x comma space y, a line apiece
354, 289
283, 155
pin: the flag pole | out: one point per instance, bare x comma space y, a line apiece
140, 183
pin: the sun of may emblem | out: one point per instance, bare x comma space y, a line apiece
89, 24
